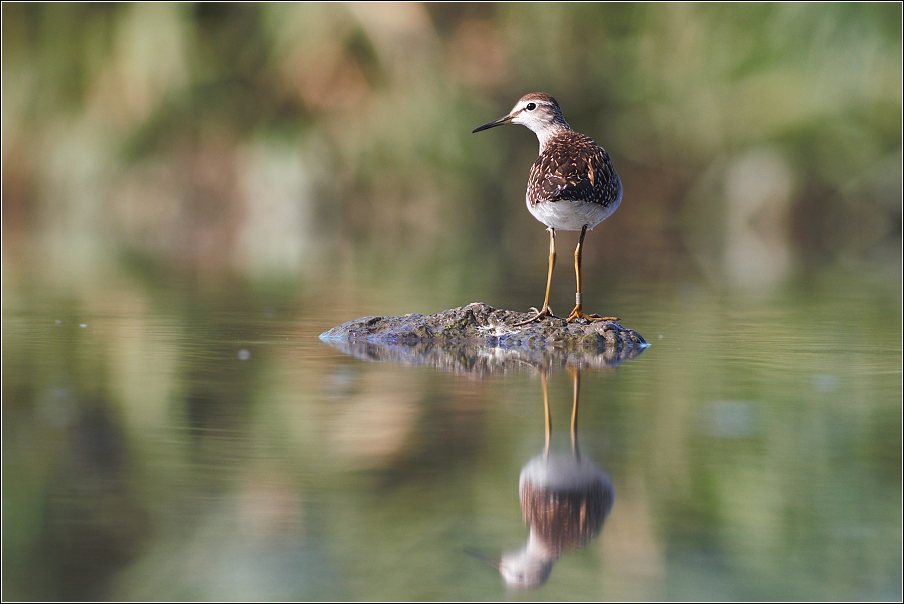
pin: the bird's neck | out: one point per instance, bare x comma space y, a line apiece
549, 132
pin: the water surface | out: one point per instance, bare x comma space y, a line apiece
201, 442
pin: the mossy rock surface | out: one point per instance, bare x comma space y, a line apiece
478, 337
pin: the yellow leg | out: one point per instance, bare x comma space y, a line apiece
548, 416
546, 311
578, 312
576, 395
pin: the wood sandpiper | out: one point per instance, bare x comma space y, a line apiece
572, 185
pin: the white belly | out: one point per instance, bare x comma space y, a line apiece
571, 215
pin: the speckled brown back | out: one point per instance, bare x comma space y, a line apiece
573, 167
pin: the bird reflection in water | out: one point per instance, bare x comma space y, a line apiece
564, 499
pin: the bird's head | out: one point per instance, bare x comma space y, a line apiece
526, 568
537, 111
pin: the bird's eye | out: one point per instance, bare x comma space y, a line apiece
531, 106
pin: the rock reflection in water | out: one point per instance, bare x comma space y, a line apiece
464, 356
564, 500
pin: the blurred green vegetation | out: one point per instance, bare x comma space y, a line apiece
310, 141
185, 182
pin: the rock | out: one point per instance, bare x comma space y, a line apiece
496, 327
479, 338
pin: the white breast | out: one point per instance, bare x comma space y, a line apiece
566, 215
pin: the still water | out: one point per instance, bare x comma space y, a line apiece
186, 442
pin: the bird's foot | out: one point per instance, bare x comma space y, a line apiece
577, 313
546, 311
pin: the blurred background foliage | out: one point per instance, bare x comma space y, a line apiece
191, 192
278, 142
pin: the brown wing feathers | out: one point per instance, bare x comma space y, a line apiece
572, 167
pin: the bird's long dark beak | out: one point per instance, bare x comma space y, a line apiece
488, 560
500, 122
